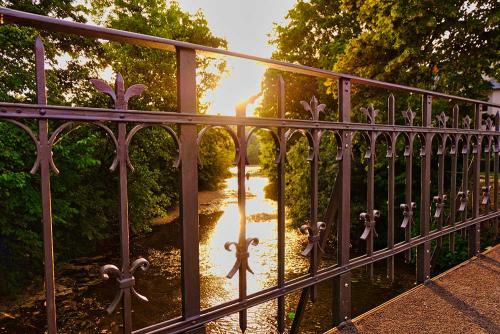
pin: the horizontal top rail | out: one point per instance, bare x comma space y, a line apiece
36, 111
82, 29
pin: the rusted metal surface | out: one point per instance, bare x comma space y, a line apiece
479, 142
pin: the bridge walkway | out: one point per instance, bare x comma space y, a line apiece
464, 299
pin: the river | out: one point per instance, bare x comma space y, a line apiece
161, 282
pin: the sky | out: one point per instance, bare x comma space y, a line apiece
245, 24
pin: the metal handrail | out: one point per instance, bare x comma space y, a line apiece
83, 29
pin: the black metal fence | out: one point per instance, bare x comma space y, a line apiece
478, 140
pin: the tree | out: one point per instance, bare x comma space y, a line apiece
85, 194
442, 45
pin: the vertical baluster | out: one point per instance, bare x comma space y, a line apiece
124, 222
487, 184
45, 155
314, 207
241, 112
370, 199
474, 230
441, 196
465, 175
391, 107
342, 283
186, 99
281, 206
423, 250
453, 190
496, 152
314, 228
408, 192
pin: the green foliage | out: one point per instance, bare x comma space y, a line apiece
157, 68
407, 42
85, 195
216, 156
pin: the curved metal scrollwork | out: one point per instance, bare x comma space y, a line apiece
409, 116
467, 122
170, 131
370, 113
486, 195
442, 120
242, 255
310, 140
313, 237
439, 201
119, 95
338, 141
33, 137
126, 280
273, 134
313, 107
61, 128
234, 137
407, 213
462, 198
369, 221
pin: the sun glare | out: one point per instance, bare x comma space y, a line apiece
242, 81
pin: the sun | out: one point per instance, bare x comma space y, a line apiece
242, 82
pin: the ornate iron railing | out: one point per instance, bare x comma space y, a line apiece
479, 139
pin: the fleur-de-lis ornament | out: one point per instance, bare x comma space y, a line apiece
439, 200
486, 194
241, 255
462, 198
313, 237
119, 95
409, 116
371, 113
125, 280
442, 120
313, 108
467, 122
488, 124
407, 213
369, 220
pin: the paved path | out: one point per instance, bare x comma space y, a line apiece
465, 299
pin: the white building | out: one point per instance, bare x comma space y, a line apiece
494, 97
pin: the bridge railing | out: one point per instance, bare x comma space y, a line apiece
477, 140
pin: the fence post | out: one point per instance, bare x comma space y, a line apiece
45, 152
474, 230
190, 273
424, 249
342, 283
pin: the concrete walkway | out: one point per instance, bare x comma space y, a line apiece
465, 299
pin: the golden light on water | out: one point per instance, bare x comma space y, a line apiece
261, 223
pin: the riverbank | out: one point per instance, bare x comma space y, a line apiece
209, 201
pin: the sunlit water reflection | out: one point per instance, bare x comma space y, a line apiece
162, 282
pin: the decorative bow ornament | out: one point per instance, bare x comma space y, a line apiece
119, 95
313, 237
442, 120
486, 194
439, 200
409, 116
241, 254
370, 113
313, 107
462, 198
407, 213
467, 122
369, 220
488, 124
125, 280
